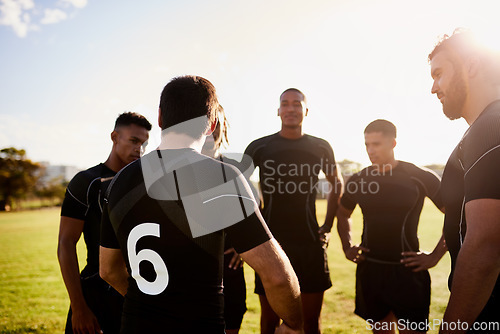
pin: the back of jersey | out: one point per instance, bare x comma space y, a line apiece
167, 213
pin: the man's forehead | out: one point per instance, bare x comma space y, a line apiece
292, 96
441, 58
132, 130
376, 135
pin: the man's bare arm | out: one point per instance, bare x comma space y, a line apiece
478, 263
112, 269
279, 281
70, 230
337, 187
352, 252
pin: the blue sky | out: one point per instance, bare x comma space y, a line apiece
69, 67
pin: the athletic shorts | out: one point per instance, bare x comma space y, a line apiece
310, 264
235, 294
104, 301
382, 288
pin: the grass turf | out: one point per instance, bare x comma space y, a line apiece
33, 298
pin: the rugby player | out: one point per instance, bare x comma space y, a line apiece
94, 305
289, 163
392, 281
162, 242
466, 81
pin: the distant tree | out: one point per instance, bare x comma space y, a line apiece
349, 168
53, 189
18, 176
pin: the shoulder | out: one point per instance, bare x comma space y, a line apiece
482, 137
262, 141
317, 140
85, 178
418, 171
359, 175
127, 177
320, 144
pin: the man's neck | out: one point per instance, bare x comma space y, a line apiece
174, 140
386, 166
291, 132
478, 101
114, 163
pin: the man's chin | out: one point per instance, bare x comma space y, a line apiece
451, 115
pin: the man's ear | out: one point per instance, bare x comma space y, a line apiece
473, 66
278, 112
394, 143
307, 110
159, 119
213, 125
114, 137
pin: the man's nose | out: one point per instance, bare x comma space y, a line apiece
434, 88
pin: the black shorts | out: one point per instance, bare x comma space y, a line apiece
235, 294
310, 263
382, 288
104, 301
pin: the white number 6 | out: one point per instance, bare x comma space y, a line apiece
160, 283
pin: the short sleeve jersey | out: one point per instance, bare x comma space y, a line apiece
175, 278
83, 200
288, 171
471, 173
391, 203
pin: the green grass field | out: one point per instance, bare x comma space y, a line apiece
33, 298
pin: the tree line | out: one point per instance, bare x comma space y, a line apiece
21, 179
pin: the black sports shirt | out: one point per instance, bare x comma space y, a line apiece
175, 283
288, 171
471, 173
391, 203
83, 200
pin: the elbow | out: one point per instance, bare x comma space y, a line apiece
105, 274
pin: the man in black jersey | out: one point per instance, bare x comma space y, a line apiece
94, 305
392, 281
289, 163
466, 81
163, 227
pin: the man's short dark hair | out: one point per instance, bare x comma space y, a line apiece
382, 125
296, 91
129, 117
188, 97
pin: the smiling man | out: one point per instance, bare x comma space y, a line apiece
467, 82
95, 305
290, 162
392, 281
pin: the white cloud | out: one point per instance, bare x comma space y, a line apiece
14, 13
75, 3
52, 16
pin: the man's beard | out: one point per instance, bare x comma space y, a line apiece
455, 98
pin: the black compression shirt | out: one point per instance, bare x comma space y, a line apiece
288, 171
391, 203
83, 200
471, 173
176, 279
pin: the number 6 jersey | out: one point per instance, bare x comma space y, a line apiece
168, 213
